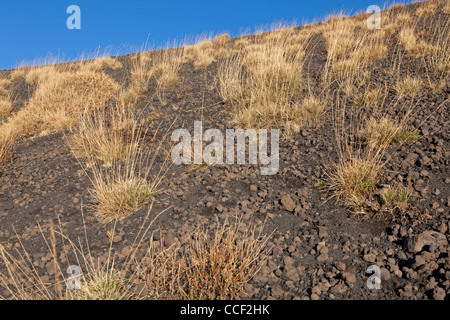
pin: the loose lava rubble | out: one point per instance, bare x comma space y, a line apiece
318, 249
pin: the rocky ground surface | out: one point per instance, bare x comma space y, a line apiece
318, 249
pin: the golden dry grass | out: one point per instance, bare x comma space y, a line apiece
350, 47
426, 9
261, 81
106, 135
404, 18
5, 104
366, 140
396, 197
368, 97
215, 263
100, 64
58, 103
4, 83
353, 179
122, 185
415, 47
166, 65
440, 59
116, 194
217, 267
384, 132
408, 87
446, 9
6, 149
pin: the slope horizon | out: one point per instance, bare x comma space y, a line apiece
156, 25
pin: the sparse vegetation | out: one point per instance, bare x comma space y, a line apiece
337, 77
6, 148
415, 47
409, 86
58, 103
106, 135
260, 83
5, 104
385, 133
219, 267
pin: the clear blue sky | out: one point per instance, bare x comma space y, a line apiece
31, 29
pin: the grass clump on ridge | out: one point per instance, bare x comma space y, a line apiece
58, 103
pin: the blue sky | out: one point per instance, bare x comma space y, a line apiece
36, 28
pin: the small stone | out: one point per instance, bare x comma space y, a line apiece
323, 232
340, 287
385, 274
439, 293
349, 277
288, 203
277, 251
369, 257
419, 261
322, 257
340, 266
288, 261
169, 239
315, 297
429, 238
292, 274
276, 290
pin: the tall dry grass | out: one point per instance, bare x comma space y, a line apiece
366, 141
58, 102
106, 135
262, 81
214, 264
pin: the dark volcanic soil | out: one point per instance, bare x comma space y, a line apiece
319, 249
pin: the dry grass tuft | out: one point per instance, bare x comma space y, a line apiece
217, 267
446, 9
350, 47
58, 103
354, 179
37, 75
5, 104
102, 285
100, 64
260, 83
384, 133
6, 150
166, 65
426, 9
368, 98
312, 109
408, 87
106, 136
116, 195
222, 40
416, 48
4, 83
364, 138
404, 18
206, 50
396, 197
